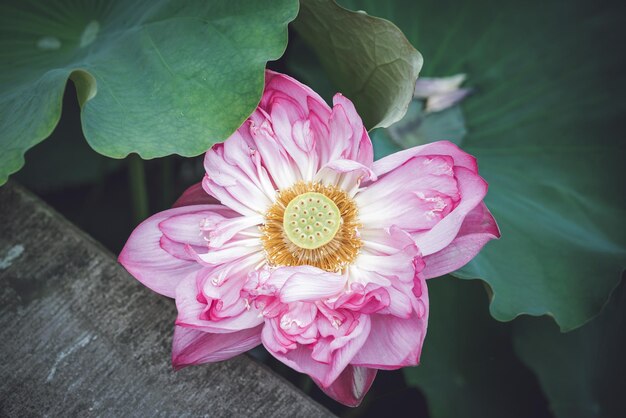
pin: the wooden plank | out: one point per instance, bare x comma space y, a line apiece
81, 337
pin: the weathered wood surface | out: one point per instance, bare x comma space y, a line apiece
80, 337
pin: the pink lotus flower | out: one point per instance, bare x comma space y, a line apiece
314, 250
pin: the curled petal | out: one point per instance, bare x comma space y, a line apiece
340, 144
389, 260
194, 310
351, 386
393, 343
274, 158
277, 84
414, 196
361, 149
191, 346
396, 342
235, 178
387, 241
182, 251
298, 318
346, 174
284, 130
189, 228
389, 253
460, 157
145, 258
340, 134
473, 189
349, 166
235, 250
478, 228
364, 299
342, 351
309, 284
228, 228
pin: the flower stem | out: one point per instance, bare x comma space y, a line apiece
167, 183
138, 189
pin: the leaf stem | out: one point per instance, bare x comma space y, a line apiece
138, 189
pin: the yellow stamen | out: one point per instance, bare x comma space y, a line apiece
325, 236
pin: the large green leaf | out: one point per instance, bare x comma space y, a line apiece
468, 367
153, 77
583, 372
546, 123
369, 59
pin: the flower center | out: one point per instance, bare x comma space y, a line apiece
311, 220
311, 224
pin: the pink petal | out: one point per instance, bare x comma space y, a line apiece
340, 143
340, 135
303, 136
183, 251
394, 258
224, 284
361, 149
386, 241
194, 195
364, 299
349, 166
298, 317
299, 118
398, 265
241, 153
228, 228
281, 168
232, 251
414, 196
318, 121
266, 281
235, 175
478, 228
276, 341
400, 302
346, 174
324, 374
191, 346
150, 263
188, 228
281, 84
284, 129
310, 284
351, 386
234, 178
391, 162
409, 210
389, 259
396, 342
286, 139
191, 310
473, 189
